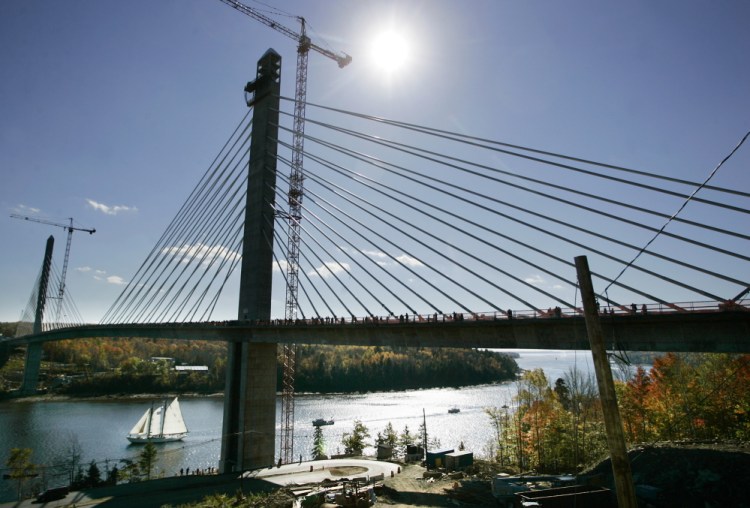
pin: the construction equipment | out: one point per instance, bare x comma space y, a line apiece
69, 228
295, 194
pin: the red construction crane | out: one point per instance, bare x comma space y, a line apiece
295, 194
69, 228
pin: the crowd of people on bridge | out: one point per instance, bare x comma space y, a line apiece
457, 317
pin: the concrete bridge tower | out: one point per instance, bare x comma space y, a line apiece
34, 349
249, 428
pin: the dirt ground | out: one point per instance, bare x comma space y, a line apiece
411, 490
408, 490
688, 475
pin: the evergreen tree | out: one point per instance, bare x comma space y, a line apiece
354, 442
113, 475
94, 477
319, 444
388, 438
404, 439
147, 459
130, 471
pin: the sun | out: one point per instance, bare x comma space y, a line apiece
390, 51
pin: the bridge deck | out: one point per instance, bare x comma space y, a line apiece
718, 330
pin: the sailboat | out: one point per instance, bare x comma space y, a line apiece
160, 424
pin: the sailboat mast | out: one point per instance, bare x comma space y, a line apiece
163, 417
148, 423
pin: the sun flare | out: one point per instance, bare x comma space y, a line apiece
390, 51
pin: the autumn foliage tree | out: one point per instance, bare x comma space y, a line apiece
559, 427
554, 429
692, 396
20, 467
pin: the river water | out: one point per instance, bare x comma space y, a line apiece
100, 426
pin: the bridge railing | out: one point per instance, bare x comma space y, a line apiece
456, 317
552, 312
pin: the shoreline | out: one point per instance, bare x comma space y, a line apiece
53, 397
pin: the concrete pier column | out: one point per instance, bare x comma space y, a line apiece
249, 427
258, 441
31, 369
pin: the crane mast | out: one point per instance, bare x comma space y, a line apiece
69, 228
295, 195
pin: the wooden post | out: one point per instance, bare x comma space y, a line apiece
612, 423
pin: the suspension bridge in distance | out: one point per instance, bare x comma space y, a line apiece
473, 238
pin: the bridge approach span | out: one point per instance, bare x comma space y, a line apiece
709, 332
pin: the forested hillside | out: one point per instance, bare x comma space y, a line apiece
101, 366
353, 368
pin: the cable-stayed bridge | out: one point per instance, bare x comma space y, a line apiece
417, 236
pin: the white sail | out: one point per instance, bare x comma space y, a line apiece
142, 426
160, 424
173, 422
155, 427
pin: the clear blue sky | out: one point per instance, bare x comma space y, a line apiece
111, 111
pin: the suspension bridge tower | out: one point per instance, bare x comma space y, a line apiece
249, 428
34, 350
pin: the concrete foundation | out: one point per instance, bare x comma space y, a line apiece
258, 440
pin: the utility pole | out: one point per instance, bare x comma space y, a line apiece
618, 453
424, 444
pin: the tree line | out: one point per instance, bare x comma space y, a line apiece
112, 366
382, 368
558, 426
356, 441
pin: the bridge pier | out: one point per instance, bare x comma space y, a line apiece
249, 428
31, 369
249, 407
